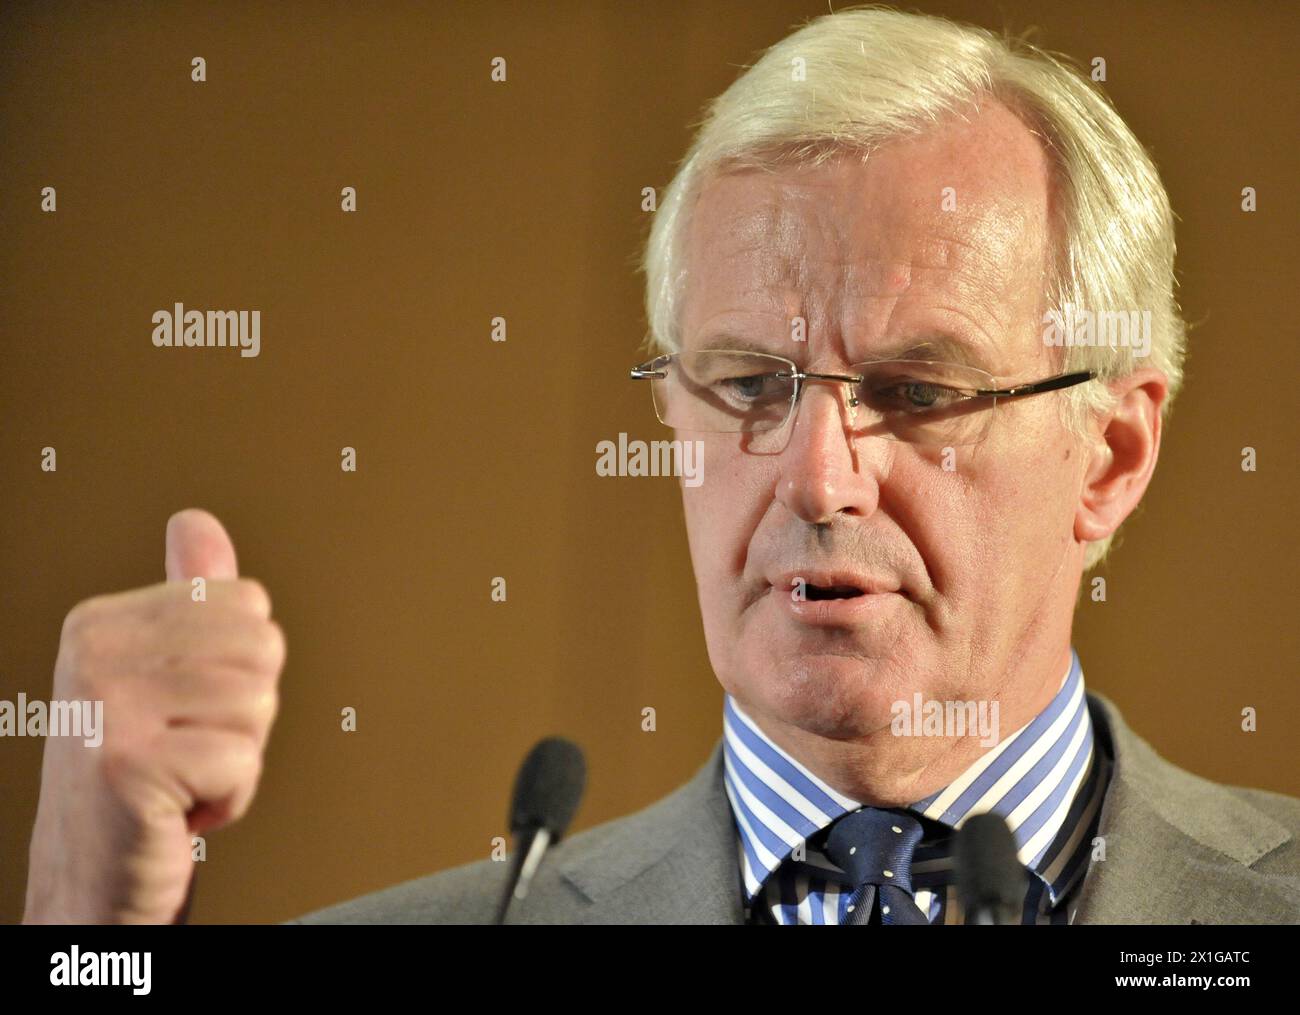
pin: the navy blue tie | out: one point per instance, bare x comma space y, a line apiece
874, 848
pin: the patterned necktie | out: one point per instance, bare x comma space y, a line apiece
874, 848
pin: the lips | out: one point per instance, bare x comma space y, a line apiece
841, 599
821, 584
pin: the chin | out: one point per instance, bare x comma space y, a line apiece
838, 697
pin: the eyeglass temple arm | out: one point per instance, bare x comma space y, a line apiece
648, 371
1051, 384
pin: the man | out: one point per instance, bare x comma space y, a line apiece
906, 476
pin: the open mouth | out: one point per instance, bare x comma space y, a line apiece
818, 592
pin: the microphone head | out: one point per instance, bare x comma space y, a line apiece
549, 787
989, 874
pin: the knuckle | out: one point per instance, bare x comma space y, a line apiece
265, 706
252, 595
272, 711
252, 764
80, 616
96, 641
240, 805
86, 647
246, 765
270, 646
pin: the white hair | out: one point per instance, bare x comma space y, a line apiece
871, 74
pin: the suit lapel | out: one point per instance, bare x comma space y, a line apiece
1177, 847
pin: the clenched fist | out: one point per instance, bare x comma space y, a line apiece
190, 692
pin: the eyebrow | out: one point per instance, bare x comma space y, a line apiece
941, 347
727, 340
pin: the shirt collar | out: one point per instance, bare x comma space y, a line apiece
1030, 778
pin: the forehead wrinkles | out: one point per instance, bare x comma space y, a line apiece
816, 244
771, 238
979, 260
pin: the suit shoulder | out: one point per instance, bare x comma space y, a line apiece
461, 894
1242, 823
469, 893
1251, 837
1255, 827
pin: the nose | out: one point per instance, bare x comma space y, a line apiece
824, 472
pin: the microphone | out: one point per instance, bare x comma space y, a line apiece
990, 877
547, 791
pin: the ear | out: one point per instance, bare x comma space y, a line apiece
1124, 446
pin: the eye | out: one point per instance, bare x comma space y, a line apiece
911, 395
750, 387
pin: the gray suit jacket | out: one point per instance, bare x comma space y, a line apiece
1179, 849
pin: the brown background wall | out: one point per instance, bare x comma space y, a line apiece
476, 459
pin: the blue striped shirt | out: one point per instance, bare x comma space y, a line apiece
1046, 780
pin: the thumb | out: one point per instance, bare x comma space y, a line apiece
198, 547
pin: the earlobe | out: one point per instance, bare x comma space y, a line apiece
1124, 448
1091, 521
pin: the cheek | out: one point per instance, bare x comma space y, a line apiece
721, 515
703, 542
964, 522
722, 512
1000, 522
